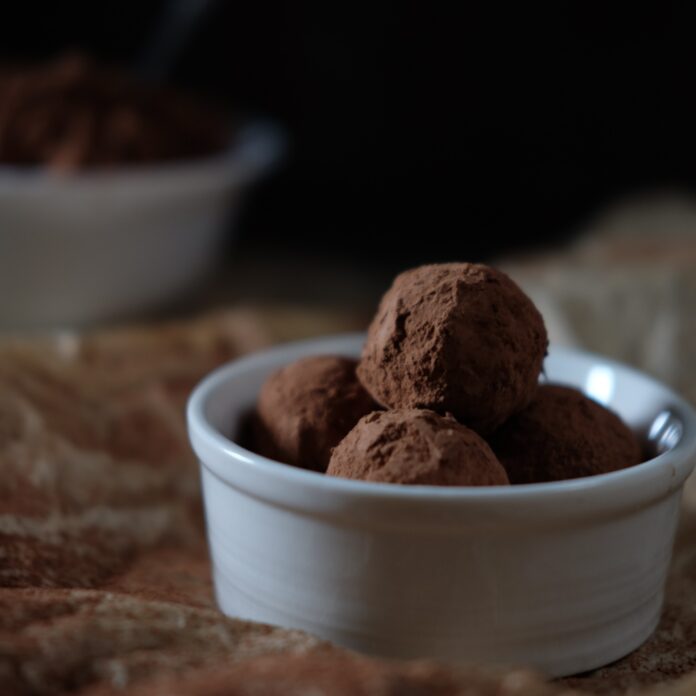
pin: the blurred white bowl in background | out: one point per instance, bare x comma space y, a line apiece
94, 245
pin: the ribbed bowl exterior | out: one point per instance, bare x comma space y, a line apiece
565, 577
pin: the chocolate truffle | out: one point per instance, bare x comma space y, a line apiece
563, 434
415, 446
306, 408
459, 338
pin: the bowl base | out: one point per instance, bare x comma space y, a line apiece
574, 653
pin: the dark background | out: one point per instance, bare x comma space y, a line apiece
417, 133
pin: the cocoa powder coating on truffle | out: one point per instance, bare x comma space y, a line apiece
415, 446
456, 337
306, 408
561, 435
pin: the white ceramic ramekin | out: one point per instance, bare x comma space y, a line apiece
94, 245
563, 576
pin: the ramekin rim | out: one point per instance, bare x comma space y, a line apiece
225, 162
201, 430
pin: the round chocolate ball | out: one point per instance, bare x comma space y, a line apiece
415, 446
306, 408
563, 434
459, 338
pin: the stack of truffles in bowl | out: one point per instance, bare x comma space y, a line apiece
446, 393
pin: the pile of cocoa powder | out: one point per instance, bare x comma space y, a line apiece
72, 113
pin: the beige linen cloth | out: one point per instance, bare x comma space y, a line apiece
104, 579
